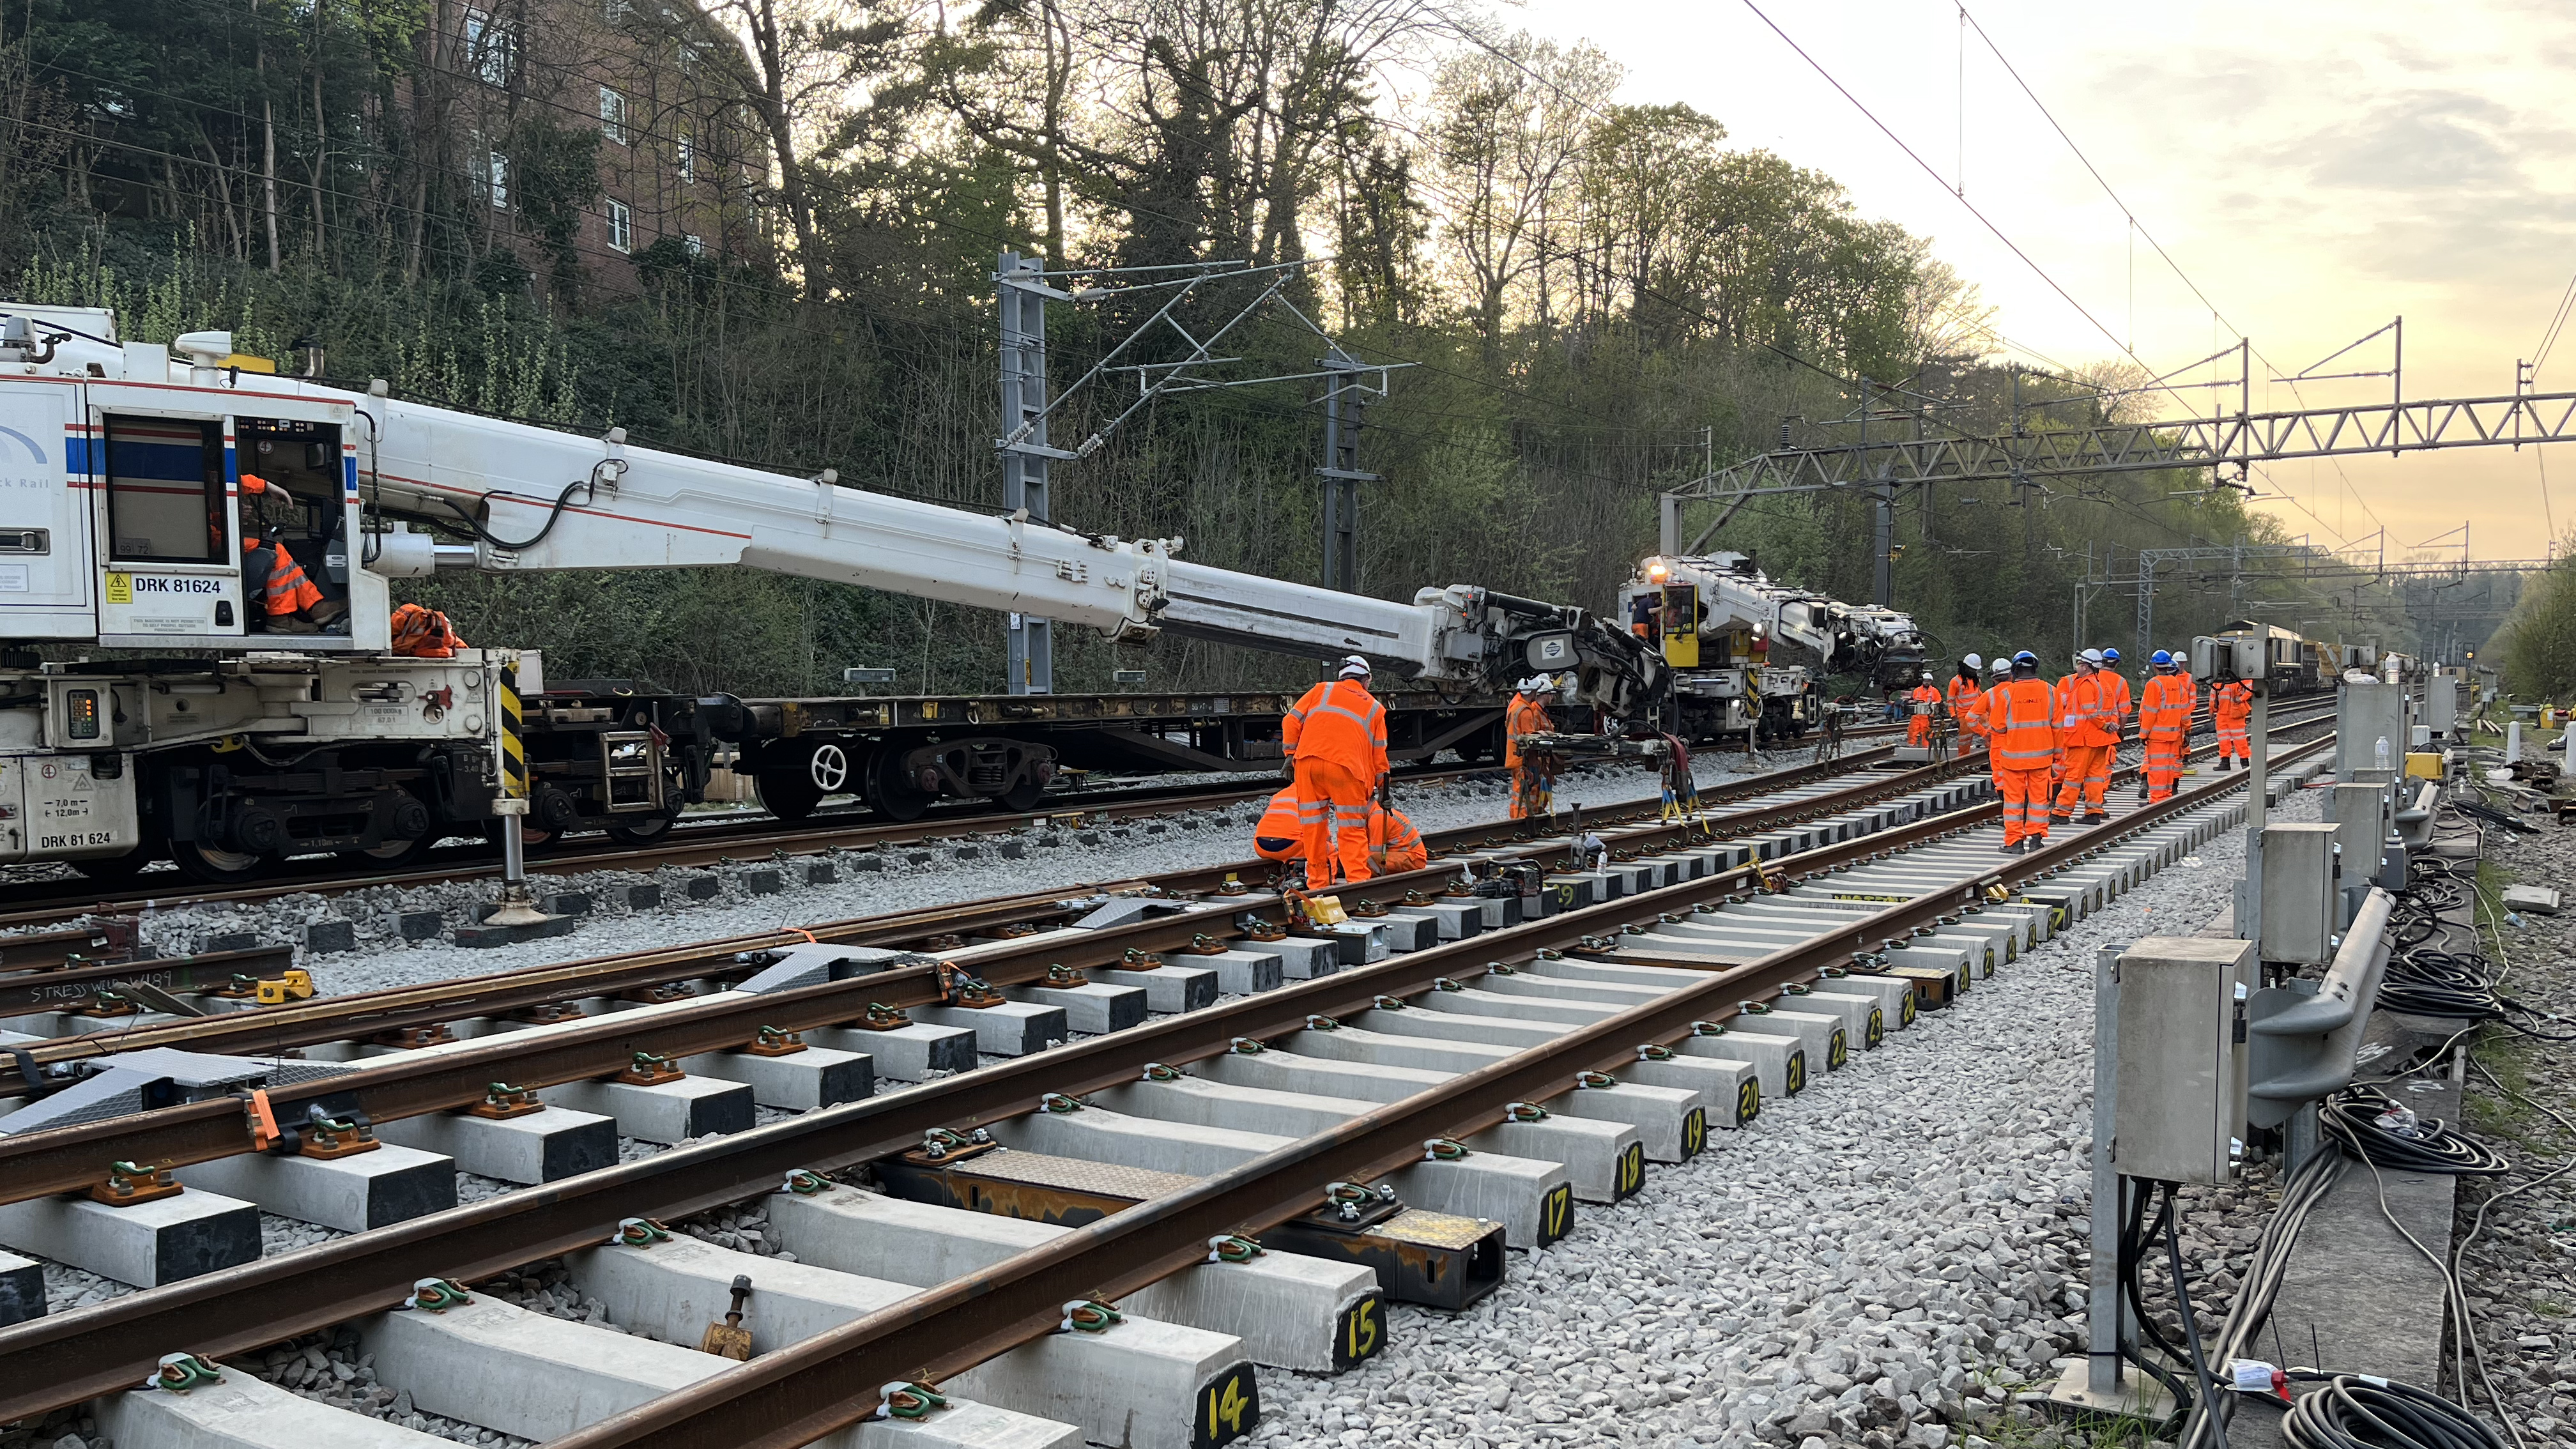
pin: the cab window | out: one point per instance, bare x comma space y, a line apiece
165, 490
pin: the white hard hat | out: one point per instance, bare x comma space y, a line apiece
1927, 676
1354, 667
1973, 662
2092, 657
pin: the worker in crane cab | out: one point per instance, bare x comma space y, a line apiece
1533, 775
1279, 835
1921, 701
1394, 845
284, 599
1336, 738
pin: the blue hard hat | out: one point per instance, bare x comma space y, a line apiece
2026, 657
2160, 657
2110, 656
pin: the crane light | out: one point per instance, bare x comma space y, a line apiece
1655, 572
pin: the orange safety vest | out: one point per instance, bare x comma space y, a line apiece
1968, 704
2022, 715
1341, 722
1394, 844
421, 633
1924, 694
1280, 835
2232, 702
2123, 698
2167, 710
2085, 712
1526, 715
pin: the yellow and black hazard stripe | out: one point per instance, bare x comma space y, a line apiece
514, 754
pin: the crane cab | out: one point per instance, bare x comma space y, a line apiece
129, 524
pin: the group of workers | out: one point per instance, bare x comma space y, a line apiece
2051, 746
1334, 815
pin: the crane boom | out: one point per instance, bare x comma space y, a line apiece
134, 525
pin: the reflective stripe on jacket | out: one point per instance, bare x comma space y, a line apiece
1401, 845
2166, 710
2085, 713
2232, 702
1968, 704
1341, 722
1282, 823
2022, 714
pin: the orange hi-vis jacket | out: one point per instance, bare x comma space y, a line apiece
2232, 702
1924, 694
1281, 823
1342, 723
2166, 709
2123, 698
1968, 704
2088, 713
1394, 845
1524, 716
2022, 716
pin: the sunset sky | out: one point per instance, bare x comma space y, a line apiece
2315, 168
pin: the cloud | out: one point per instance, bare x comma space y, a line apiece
2424, 140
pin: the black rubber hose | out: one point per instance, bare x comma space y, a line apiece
2351, 1117
2356, 1411
2190, 1322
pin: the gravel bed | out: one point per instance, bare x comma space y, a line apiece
930, 873
1895, 1257
2519, 1272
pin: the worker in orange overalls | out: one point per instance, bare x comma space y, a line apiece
1394, 845
2089, 730
2021, 723
2230, 706
422, 633
280, 596
1966, 697
1533, 776
1336, 734
2164, 722
1920, 702
1280, 835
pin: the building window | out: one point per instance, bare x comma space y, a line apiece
687, 161
612, 115
621, 226
694, 244
497, 174
491, 47
615, 11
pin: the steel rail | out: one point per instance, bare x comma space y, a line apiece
26, 991
52, 1362
335, 1018
71, 1159
810, 1388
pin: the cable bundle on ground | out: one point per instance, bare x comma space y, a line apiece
2359, 1411
2385, 1132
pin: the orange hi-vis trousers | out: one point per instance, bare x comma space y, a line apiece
1333, 807
2087, 778
2233, 740
2025, 797
2163, 763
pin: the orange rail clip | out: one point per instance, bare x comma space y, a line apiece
263, 1120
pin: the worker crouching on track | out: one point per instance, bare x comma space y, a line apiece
1921, 700
1281, 835
1533, 776
1336, 734
2088, 727
2021, 719
2231, 705
1394, 845
2164, 720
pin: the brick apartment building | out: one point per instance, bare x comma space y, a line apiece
678, 155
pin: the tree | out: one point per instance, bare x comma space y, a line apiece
2537, 646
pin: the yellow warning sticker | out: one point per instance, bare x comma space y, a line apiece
120, 588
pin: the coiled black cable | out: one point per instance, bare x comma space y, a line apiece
2351, 1118
2360, 1411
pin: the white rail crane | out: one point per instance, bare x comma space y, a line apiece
120, 528
1745, 650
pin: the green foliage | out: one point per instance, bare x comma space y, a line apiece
1599, 301
2538, 643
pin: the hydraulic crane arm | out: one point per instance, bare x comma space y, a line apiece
363, 467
